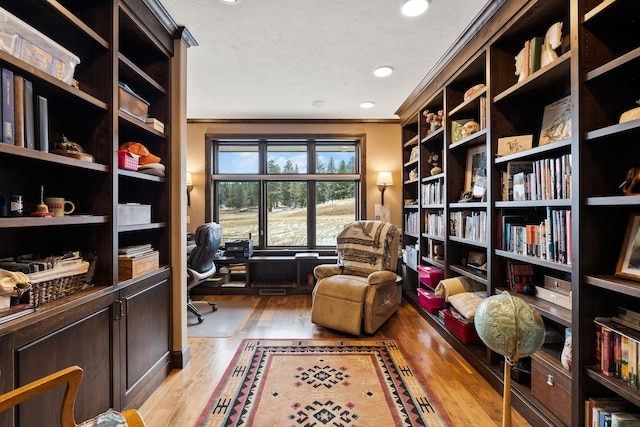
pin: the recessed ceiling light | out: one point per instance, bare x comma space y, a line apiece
383, 71
367, 104
415, 7
318, 103
230, 1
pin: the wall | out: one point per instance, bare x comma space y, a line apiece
383, 152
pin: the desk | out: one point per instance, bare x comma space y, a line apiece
268, 275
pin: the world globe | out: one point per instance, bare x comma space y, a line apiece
502, 321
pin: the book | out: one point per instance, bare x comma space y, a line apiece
608, 368
8, 135
625, 419
135, 249
633, 363
42, 123
15, 311
519, 274
535, 48
514, 168
29, 118
593, 402
519, 188
624, 358
18, 110
556, 122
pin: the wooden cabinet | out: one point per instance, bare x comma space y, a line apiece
119, 332
593, 70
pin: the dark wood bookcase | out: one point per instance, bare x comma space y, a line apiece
119, 332
597, 67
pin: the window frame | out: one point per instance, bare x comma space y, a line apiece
212, 142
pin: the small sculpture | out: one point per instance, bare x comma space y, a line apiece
552, 40
470, 128
434, 161
631, 184
630, 115
520, 65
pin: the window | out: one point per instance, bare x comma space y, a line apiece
285, 193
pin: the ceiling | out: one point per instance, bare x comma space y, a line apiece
271, 59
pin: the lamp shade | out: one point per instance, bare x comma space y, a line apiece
385, 179
189, 180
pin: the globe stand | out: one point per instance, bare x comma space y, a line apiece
513, 328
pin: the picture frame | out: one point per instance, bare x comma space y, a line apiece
475, 177
629, 262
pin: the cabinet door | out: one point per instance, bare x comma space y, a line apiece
86, 343
145, 337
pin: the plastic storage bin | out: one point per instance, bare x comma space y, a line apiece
131, 103
429, 275
430, 301
464, 331
28, 44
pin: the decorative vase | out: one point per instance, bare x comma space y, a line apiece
438, 250
436, 170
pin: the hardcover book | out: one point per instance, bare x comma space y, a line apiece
556, 122
8, 135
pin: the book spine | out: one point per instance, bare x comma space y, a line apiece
617, 354
607, 352
624, 358
42, 123
18, 109
29, 118
633, 363
8, 133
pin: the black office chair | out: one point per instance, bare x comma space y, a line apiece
200, 264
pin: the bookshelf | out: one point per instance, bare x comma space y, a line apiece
595, 68
120, 330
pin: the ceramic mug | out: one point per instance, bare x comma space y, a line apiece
57, 205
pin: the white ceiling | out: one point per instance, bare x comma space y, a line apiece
270, 59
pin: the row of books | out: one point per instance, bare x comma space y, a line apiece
25, 115
433, 193
544, 179
470, 225
412, 222
529, 57
609, 412
617, 349
434, 224
549, 239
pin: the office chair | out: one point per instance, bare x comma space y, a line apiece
200, 264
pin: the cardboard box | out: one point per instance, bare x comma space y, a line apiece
31, 46
133, 214
430, 301
128, 268
430, 275
464, 331
551, 385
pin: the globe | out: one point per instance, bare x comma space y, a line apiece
502, 321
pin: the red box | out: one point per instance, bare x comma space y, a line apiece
464, 331
429, 275
127, 161
430, 301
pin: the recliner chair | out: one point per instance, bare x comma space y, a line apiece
200, 265
360, 292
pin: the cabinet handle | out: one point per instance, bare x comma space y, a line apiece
550, 380
122, 311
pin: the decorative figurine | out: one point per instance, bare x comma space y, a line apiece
552, 40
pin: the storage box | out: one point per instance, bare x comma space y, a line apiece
556, 291
133, 213
28, 44
465, 331
430, 276
411, 257
551, 385
127, 161
430, 301
131, 103
128, 268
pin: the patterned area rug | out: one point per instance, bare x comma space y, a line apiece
347, 383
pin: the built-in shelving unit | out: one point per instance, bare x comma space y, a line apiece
595, 68
119, 332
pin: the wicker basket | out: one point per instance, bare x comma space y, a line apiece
52, 288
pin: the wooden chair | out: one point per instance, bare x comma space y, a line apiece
70, 376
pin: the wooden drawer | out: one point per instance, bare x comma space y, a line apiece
551, 385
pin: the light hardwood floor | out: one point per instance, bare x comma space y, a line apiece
463, 394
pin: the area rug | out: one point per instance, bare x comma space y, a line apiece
347, 383
222, 323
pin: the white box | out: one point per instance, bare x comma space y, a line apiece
411, 257
133, 213
28, 44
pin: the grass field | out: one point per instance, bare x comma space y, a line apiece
288, 226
